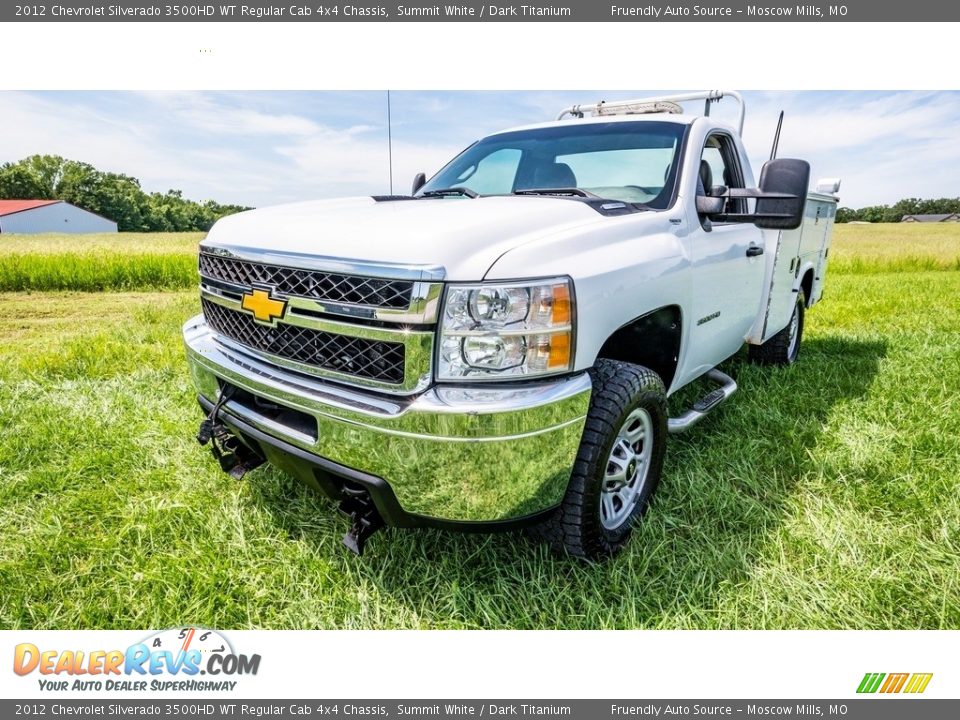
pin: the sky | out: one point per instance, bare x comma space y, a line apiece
265, 148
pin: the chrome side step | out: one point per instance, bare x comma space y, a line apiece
702, 407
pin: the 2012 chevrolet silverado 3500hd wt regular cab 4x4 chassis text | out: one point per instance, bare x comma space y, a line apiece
496, 348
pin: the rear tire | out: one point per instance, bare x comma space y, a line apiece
618, 465
782, 348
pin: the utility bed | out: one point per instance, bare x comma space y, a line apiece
797, 252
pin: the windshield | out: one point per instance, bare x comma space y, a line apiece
633, 162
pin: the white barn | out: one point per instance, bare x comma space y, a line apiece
50, 216
943, 217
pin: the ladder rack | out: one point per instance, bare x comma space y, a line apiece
662, 104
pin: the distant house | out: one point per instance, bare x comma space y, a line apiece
50, 216
946, 217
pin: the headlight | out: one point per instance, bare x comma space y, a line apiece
506, 330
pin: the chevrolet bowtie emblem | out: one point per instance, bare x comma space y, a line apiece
264, 308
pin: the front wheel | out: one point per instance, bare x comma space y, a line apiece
782, 348
618, 464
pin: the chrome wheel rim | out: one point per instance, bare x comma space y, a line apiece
794, 331
626, 470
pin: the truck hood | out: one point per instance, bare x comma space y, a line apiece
463, 236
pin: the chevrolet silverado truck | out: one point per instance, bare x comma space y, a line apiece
496, 349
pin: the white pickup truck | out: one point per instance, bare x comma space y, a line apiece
496, 349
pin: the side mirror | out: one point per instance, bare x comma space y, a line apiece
788, 179
419, 180
707, 205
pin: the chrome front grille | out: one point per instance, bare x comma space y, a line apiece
359, 357
312, 284
356, 323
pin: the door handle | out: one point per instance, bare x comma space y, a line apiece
754, 250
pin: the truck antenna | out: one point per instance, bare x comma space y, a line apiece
390, 142
776, 137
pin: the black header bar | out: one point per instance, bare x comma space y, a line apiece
224, 707
320, 11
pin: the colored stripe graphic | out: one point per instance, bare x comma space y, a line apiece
894, 683
870, 682
918, 682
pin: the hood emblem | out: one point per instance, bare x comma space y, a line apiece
264, 308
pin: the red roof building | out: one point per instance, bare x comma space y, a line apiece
9, 207
31, 217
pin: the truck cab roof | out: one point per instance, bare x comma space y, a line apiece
684, 119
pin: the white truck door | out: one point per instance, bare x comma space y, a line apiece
727, 267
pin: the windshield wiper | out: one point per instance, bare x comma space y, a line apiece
558, 191
605, 206
447, 192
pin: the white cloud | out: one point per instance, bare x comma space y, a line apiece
271, 158
333, 160
45, 126
202, 113
884, 148
264, 148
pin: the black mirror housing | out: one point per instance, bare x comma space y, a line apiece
419, 180
787, 177
708, 206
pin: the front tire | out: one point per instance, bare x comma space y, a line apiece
618, 464
782, 348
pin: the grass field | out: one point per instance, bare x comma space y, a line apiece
167, 261
826, 495
94, 263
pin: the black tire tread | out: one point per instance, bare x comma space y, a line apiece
575, 528
776, 350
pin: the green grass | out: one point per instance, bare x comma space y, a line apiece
895, 247
826, 495
167, 261
94, 263
94, 243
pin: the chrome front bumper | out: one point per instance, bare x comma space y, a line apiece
453, 453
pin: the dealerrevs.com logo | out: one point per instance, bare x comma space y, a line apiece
173, 659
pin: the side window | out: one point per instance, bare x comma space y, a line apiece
720, 154
494, 174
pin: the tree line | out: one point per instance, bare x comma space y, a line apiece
112, 195
121, 199
895, 212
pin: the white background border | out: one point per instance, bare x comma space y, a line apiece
543, 56
151, 56
388, 664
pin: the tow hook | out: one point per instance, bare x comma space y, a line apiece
365, 520
235, 458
